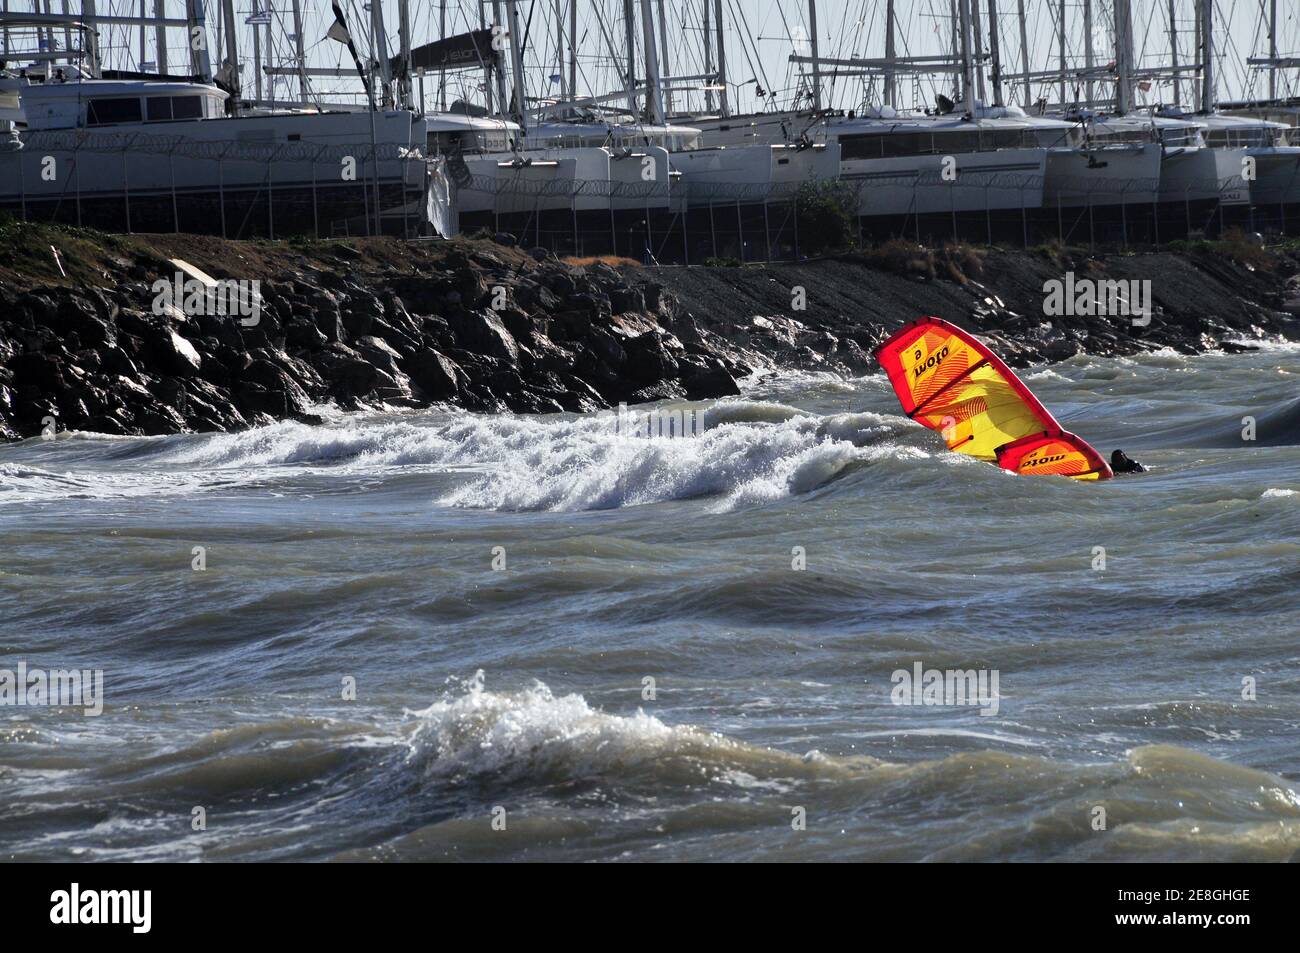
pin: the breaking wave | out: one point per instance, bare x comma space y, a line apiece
746, 452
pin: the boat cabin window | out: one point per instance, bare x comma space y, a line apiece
108, 110
1254, 137
1128, 134
891, 145
1058, 138
187, 107
1181, 137
467, 141
162, 108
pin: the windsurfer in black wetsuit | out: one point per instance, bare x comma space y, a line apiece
1121, 463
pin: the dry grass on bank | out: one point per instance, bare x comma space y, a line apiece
614, 261
957, 262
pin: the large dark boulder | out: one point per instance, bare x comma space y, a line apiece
483, 332
438, 376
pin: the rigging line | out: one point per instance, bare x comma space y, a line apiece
790, 67
744, 22
762, 68
839, 48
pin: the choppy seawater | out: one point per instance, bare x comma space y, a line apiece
363, 549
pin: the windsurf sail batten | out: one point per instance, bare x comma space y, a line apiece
948, 381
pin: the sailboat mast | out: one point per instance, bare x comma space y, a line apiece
654, 92
1173, 53
406, 94
723, 100
573, 48
516, 63
1024, 52
629, 37
196, 19
559, 49
708, 58
1207, 53
977, 37
967, 63
1272, 49
1123, 57
667, 91
503, 99
299, 57
232, 50
1089, 54
1061, 39
160, 36
995, 53
891, 81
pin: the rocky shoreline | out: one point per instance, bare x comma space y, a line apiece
491, 327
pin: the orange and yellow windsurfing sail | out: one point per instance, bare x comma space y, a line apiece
950, 382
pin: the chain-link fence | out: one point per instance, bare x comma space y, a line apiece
691, 222
137, 182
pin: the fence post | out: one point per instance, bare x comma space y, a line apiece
171, 170
1092, 222
1155, 218
686, 236
126, 188
1024, 217
315, 205
270, 195
22, 184
76, 170
740, 229
952, 207
1123, 217
988, 216
404, 166
857, 210
767, 231
916, 209
797, 256
221, 188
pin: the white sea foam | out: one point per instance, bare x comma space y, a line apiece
507, 735
534, 734
1272, 492
749, 452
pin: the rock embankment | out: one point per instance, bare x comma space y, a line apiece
493, 328
482, 327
